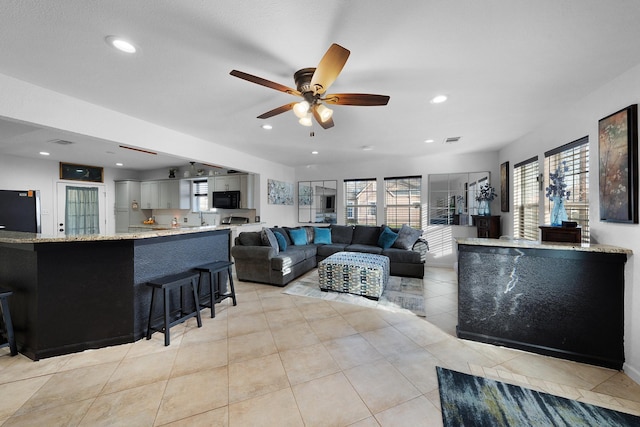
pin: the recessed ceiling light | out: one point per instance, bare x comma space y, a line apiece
438, 99
428, 141
119, 164
314, 152
44, 153
267, 127
367, 148
120, 44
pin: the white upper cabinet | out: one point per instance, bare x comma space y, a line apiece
165, 194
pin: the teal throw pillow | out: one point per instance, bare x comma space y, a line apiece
298, 236
321, 236
282, 242
387, 238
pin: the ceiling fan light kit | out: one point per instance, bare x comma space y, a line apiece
311, 84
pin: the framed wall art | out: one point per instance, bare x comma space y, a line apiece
279, 192
618, 168
81, 172
504, 187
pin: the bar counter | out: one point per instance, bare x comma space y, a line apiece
73, 293
558, 299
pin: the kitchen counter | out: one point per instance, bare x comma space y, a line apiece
558, 299
536, 244
80, 292
146, 232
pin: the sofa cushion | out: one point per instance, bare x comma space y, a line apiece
407, 237
402, 255
298, 236
286, 260
310, 233
282, 243
328, 250
284, 233
269, 239
366, 235
341, 233
387, 238
250, 238
368, 249
321, 236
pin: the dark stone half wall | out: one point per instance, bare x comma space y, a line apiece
557, 302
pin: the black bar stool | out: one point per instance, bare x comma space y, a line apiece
166, 284
213, 270
6, 320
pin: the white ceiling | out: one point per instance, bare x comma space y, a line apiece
505, 65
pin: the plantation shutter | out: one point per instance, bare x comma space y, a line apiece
526, 196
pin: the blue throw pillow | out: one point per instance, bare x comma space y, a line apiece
387, 238
282, 242
298, 236
321, 236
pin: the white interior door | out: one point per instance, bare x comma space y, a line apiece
61, 229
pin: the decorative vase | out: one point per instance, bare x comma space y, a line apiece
484, 208
558, 212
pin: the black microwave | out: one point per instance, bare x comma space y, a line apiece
226, 199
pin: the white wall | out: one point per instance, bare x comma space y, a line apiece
581, 119
443, 250
28, 103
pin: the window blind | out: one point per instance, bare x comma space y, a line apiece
360, 201
200, 191
402, 201
526, 196
575, 156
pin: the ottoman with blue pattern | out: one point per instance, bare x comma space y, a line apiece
355, 273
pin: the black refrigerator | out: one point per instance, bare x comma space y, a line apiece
20, 211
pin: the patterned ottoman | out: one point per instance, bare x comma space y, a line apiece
356, 273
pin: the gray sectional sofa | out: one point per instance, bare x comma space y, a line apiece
259, 257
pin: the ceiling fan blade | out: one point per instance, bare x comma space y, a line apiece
264, 82
361, 99
326, 124
276, 111
329, 67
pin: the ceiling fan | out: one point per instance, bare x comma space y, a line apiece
312, 84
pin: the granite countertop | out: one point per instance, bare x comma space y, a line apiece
153, 231
536, 244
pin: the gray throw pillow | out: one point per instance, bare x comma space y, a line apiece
269, 239
407, 237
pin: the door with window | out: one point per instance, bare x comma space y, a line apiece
81, 209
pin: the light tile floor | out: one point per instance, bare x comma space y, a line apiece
283, 360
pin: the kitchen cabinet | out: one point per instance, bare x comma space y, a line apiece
149, 194
173, 194
226, 183
165, 194
246, 192
127, 205
243, 183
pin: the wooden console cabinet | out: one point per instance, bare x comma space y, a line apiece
560, 234
487, 225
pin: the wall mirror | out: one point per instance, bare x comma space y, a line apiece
452, 197
317, 201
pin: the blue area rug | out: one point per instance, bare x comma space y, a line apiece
467, 400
